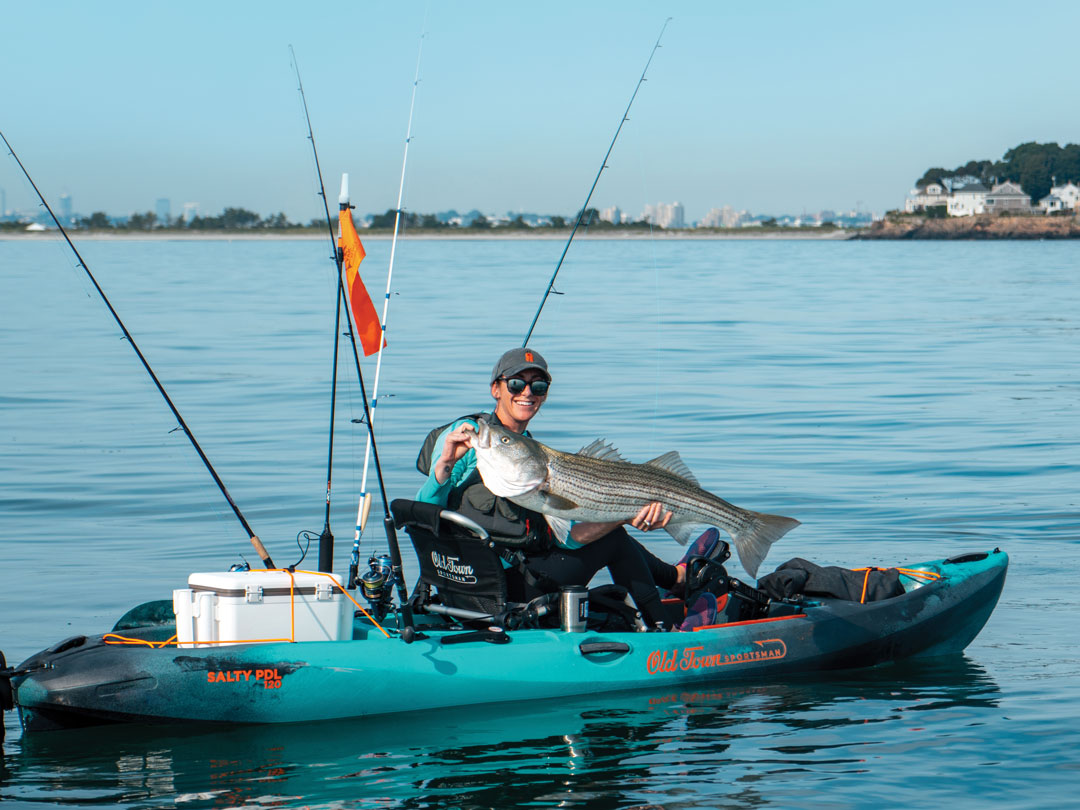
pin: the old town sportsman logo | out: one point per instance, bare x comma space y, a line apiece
691, 658
450, 568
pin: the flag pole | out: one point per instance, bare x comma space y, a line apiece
347, 255
364, 505
351, 253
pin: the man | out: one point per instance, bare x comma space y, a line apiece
519, 385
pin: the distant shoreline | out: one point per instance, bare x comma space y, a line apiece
485, 236
907, 227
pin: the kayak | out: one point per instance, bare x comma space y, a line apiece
155, 668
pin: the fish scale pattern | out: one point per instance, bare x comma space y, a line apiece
610, 490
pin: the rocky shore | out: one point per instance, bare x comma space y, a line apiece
983, 226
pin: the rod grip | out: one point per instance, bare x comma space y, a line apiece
365, 511
260, 549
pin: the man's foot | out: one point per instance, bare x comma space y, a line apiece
702, 614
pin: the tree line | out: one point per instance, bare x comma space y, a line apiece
590, 219
231, 219
1036, 167
241, 219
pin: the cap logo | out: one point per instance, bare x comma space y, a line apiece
528, 357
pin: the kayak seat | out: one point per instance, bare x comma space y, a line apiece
459, 561
462, 577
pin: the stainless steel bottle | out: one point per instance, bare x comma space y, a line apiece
574, 608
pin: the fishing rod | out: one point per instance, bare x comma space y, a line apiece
396, 567
326, 540
364, 506
603, 165
260, 549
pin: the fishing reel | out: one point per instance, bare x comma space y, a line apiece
377, 584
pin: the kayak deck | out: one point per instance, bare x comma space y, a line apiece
88, 680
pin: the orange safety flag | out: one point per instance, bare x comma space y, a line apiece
365, 321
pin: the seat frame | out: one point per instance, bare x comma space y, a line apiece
460, 561
465, 549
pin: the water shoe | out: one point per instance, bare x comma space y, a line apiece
702, 614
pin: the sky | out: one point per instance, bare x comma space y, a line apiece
777, 108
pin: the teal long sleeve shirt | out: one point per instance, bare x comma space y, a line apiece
434, 492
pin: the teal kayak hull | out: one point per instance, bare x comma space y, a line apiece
86, 681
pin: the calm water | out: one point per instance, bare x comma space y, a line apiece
905, 401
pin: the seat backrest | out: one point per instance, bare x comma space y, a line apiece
466, 570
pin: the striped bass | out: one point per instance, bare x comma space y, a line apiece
596, 485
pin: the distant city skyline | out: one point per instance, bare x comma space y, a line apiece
663, 215
786, 108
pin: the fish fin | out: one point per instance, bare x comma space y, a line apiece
753, 542
673, 463
560, 527
557, 501
602, 450
683, 532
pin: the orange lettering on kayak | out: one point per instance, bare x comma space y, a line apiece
267, 678
689, 659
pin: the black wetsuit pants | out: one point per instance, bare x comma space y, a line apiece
631, 565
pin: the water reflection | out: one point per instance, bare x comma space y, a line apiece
748, 743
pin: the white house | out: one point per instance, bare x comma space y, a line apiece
966, 201
1051, 203
920, 198
1069, 194
1007, 196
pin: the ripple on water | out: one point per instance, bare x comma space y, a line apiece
902, 400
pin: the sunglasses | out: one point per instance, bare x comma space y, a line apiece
516, 385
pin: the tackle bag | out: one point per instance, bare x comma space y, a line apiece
799, 576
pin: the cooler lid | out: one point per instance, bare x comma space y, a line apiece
273, 583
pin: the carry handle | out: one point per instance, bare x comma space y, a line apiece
590, 647
465, 523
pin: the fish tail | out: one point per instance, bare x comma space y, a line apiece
753, 541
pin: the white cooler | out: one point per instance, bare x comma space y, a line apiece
243, 607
